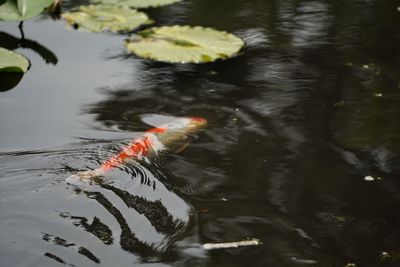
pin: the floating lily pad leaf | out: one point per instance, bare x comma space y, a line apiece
184, 44
12, 62
137, 3
22, 9
98, 18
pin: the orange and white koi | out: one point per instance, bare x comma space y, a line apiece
166, 137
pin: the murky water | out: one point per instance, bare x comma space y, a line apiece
296, 122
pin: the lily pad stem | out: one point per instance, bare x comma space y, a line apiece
21, 30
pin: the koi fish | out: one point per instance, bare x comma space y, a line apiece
172, 136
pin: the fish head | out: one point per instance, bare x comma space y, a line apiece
177, 134
186, 125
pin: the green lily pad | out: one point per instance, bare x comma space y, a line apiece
137, 3
15, 10
98, 18
12, 62
184, 44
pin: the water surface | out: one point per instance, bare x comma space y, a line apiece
296, 122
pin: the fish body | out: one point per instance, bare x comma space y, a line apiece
166, 137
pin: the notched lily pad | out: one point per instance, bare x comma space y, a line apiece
184, 44
12, 62
137, 3
99, 18
14, 10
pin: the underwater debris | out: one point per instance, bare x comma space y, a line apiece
371, 178
243, 243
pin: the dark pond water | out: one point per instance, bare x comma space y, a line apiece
296, 123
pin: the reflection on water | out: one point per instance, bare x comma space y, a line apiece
10, 80
10, 42
126, 212
295, 124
